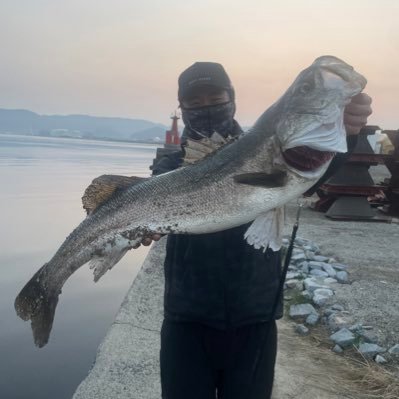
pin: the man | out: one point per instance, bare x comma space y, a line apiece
218, 337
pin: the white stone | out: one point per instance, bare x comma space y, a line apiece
320, 300
294, 283
312, 319
312, 284
342, 277
370, 350
337, 349
292, 275
320, 258
316, 265
302, 310
301, 329
330, 280
344, 338
323, 292
394, 350
318, 273
306, 294
380, 360
339, 266
336, 321
329, 270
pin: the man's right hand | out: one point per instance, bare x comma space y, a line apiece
148, 240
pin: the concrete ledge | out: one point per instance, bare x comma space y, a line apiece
127, 361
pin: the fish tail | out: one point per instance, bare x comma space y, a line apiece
101, 264
37, 304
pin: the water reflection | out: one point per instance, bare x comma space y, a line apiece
42, 181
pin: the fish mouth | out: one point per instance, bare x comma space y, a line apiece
306, 159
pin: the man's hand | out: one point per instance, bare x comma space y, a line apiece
148, 240
356, 113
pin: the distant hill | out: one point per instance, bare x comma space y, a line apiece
83, 126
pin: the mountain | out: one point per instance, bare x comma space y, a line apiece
84, 126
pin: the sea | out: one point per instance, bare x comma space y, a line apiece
41, 184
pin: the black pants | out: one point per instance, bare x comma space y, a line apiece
199, 362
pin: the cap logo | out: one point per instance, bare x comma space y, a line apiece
198, 80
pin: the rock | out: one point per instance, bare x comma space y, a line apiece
370, 350
324, 292
314, 247
380, 360
330, 280
301, 329
344, 338
321, 296
337, 307
285, 241
356, 328
320, 258
298, 258
329, 312
307, 247
294, 283
337, 349
394, 350
304, 267
301, 241
306, 294
296, 250
312, 319
292, 268
339, 266
368, 336
293, 275
312, 284
303, 310
318, 273
342, 277
336, 321
316, 265
320, 300
309, 255
329, 270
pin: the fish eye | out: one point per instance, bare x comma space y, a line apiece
305, 88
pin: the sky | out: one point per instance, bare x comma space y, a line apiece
123, 57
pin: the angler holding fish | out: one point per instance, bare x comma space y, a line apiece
219, 287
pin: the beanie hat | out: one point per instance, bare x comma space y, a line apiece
203, 74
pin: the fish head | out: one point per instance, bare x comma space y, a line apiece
312, 109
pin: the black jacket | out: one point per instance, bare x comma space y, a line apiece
218, 279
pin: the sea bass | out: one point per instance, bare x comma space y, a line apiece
249, 179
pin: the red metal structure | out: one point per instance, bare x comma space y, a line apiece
172, 135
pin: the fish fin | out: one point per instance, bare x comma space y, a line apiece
37, 304
103, 187
267, 230
101, 264
194, 150
267, 180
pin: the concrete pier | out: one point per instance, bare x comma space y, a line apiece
127, 361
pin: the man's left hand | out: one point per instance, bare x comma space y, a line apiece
356, 113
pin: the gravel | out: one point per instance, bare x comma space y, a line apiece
369, 254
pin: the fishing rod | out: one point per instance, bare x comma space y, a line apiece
280, 289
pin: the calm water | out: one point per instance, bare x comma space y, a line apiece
41, 184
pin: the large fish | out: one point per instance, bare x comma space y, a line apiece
250, 179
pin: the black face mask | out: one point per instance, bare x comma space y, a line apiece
204, 121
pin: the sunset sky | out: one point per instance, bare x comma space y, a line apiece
123, 57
